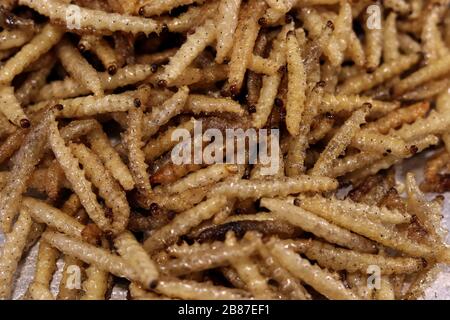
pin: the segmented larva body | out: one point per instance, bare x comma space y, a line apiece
129, 248
157, 7
183, 222
77, 178
11, 108
108, 188
79, 68
69, 88
44, 213
320, 279
90, 105
244, 189
187, 289
12, 252
92, 19
90, 254
29, 53
365, 81
317, 225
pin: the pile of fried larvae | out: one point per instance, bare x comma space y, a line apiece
92, 91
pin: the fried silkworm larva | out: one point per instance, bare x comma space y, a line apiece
40, 44
77, 178
92, 19
12, 252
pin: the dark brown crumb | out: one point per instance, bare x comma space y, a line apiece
112, 69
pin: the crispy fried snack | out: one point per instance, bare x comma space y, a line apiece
224, 149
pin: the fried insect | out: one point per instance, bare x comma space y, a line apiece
160, 116
45, 267
397, 118
271, 83
241, 227
381, 233
334, 258
193, 46
228, 12
432, 71
258, 188
33, 83
136, 156
92, 19
339, 143
103, 50
245, 37
103, 160
52, 217
199, 258
96, 284
92, 105
365, 81
24, 163
12, 144
249, 272
69, 88
188, 289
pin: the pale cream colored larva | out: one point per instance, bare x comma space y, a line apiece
40, 44
89, 18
